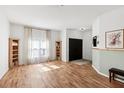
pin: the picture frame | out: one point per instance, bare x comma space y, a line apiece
114, 39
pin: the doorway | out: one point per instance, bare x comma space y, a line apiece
75, 49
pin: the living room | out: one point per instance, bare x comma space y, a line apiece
60, 42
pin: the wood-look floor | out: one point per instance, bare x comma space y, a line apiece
56, 75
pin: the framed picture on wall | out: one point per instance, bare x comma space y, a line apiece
114, 39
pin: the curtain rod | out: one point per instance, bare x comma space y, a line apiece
37, 28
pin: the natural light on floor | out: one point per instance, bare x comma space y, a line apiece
47, 67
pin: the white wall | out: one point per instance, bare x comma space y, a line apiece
54, 36
95, 53
96, 59
95, 29
87, 43
109, 21
4, 35
64, 45
17, 31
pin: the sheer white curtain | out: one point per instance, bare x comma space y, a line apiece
36, 45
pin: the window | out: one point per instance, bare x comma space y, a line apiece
39, 40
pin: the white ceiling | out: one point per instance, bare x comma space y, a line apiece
56, 17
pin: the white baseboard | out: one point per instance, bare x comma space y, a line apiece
105, 74
99, 72
4, 73
87, 60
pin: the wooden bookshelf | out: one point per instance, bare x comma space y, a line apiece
13, 52
58, 50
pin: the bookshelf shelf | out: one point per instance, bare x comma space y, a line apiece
58, 50
13, 52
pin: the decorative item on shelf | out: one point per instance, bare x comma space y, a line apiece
13, 52
114, 39
58, 50
95, 41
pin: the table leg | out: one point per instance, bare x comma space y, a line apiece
109, 76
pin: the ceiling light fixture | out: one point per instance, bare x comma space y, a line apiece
82, 29
62, 5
